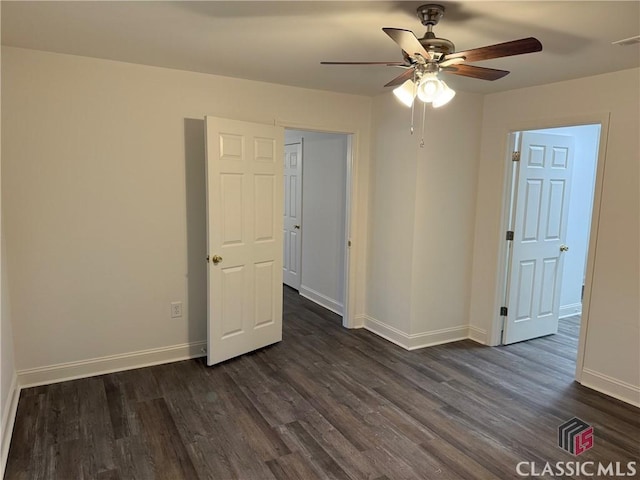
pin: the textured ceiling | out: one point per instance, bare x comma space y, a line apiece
284, 42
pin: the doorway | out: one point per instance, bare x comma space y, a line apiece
244, 199
316, 231
549, 200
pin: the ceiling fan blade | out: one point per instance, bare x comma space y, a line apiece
499, 50
389, 64
451, 61
407, 41
476, 72
403, 77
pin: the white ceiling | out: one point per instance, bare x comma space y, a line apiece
284, 42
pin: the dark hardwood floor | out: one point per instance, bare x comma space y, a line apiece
324, 403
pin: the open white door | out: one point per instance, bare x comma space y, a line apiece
292, 215
244, 237
542, 205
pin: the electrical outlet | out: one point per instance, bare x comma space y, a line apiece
176, 309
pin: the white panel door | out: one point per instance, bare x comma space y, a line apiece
542, 205
244, 237
292, 215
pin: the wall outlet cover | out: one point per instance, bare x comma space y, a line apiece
176, 309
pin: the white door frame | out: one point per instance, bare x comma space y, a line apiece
494, 334
351, 247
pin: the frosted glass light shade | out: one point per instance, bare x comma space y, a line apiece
405, 93
429, 88
445, 95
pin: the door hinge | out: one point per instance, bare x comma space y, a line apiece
504, 311
515, 156
509, 234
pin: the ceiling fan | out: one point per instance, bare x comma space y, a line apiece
425, 57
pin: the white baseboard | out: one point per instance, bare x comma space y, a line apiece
478, 335
358, 321
321, 299
611, 386
112, 363
8, 420
570, 310
415, 340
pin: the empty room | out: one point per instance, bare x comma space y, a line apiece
296, 240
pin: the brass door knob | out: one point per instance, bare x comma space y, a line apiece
216, 259
564, 248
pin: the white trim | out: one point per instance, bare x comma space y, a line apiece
506, 250
415, 340
321, 299
8, 420
570, 310
610, 386
478, 335
358, 321
112, 363
603, 145
348, 320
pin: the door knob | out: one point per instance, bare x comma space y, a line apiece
297, 227
216, 259
564, 248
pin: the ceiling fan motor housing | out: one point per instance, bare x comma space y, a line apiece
437, 45
430, 14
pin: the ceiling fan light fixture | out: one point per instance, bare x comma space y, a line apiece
445, 95
406, 92
429, 88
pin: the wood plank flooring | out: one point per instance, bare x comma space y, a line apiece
324, 403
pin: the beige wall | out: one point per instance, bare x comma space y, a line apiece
612, 353
7, 366
421, 229
8, 379
103, 181
444, 217
393, 190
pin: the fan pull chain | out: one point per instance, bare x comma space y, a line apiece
413, 104
411, 130
424, 116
